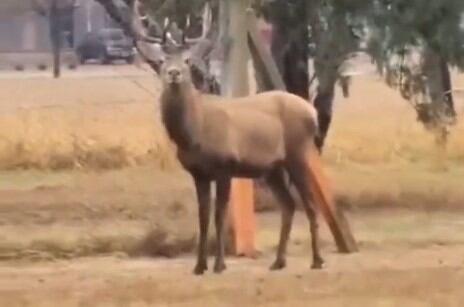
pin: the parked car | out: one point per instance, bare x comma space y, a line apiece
105, 46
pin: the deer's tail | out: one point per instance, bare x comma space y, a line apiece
312, 122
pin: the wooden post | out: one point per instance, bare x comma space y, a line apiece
265, 66
55, 27
322, 194
320, 188
235, 84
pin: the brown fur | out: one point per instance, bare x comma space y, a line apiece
262, 135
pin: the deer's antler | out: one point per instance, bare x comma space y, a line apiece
207, 29
136, 22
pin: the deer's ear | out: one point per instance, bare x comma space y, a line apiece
162, 59
186, 57
183, 40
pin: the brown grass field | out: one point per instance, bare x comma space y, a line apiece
94, 210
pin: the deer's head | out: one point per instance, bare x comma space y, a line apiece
171, 44
176, 69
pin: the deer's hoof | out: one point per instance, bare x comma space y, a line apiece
219, 267
279, 264
318, 264
200, 269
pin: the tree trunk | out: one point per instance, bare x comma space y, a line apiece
326, 72
447, 87
289, 47
324, 105
438, 113
289, 44
55, 37
225, 41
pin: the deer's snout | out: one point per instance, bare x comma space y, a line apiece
174, 72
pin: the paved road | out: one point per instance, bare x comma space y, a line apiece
81, 72
359, 66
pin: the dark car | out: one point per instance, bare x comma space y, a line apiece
105, 46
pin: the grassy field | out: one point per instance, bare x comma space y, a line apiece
107, 122
96, 123
86, 170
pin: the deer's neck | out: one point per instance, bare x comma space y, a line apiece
181, 113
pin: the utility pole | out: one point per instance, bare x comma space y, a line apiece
234, 83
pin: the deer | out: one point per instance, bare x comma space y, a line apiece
260, 136
265, 135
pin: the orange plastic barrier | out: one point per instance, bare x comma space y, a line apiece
242, 216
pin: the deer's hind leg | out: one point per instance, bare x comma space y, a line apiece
300, 178
276, 183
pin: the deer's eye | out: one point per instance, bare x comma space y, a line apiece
187, 61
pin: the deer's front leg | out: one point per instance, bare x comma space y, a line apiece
203, 188
222, 199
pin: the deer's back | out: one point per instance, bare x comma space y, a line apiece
271, 102
273, 122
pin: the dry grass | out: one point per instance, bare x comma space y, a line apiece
92, 137
121, 238
111, 122
74, 214
101, 123
95, 123
376, 126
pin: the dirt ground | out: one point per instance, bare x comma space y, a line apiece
127, 238
93, 213
393, 277
406, 259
